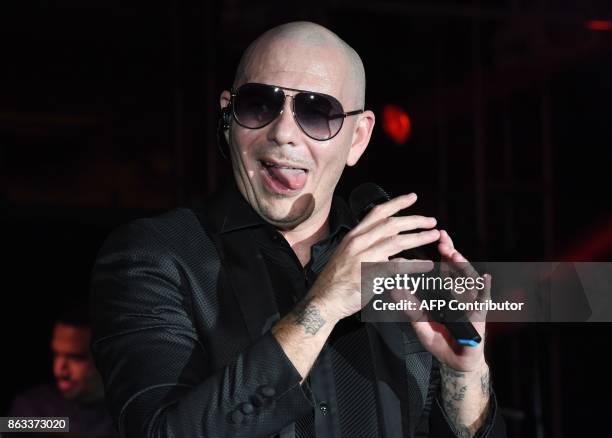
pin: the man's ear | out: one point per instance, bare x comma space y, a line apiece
224, 101
361, 137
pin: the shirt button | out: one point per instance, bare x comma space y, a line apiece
324, 408
246, 408
237, 417
267, 391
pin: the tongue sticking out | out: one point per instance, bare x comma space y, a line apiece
293, 179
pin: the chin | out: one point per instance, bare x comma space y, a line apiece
70, 395
284, 219
287, 213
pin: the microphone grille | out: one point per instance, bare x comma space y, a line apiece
364, 197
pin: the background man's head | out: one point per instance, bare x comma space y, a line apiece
73, 367
303, 56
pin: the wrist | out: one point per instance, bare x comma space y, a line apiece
480, 368
329, 310
465, 396
474, 374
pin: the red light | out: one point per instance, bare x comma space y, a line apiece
593, 246
599, 24
396, 123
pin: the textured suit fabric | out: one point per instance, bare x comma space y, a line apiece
181, 334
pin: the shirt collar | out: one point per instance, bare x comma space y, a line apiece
238, 213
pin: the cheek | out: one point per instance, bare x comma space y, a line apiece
243, 142
56, 366
80, 371
331, 161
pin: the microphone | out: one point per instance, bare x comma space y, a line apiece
365, 197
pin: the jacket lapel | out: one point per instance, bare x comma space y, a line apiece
250, 281
230, 221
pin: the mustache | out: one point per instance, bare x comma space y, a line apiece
285, 156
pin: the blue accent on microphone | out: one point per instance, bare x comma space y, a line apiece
468, 342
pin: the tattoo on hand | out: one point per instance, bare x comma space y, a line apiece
308, 315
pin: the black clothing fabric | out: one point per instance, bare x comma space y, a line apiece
183, 305
352, 380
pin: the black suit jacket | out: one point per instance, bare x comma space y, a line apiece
181, 360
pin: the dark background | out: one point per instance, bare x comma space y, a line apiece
108, 112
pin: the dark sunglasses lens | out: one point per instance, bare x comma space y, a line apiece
319, 116
257, 105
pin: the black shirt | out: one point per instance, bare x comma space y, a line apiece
341, 382
341, 373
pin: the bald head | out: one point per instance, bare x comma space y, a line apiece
311, 37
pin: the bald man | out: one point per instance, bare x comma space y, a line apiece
238, 319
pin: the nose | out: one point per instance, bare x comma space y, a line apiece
284, 129
60, 365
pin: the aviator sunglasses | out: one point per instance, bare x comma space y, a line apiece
319, 116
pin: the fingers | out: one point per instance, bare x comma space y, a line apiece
414, 266
386, 209
379, 232
481, 315
447, 249
453, 262
486, 294
446, 239
392, 226
398, 243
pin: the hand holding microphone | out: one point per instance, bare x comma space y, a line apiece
457, 343
366, 197
375, 239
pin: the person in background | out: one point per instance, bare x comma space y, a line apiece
77, 390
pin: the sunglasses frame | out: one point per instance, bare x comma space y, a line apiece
341, 115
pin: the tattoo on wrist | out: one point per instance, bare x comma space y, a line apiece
453, 391
463, 431
308, 315
485, 383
